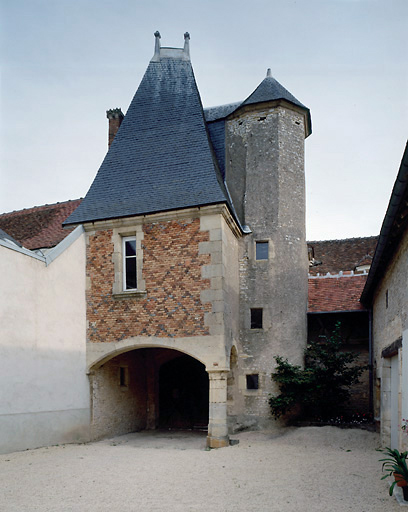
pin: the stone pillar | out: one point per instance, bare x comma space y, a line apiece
217, 424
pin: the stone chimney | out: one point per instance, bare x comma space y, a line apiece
115, 116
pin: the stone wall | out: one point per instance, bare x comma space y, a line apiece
265, 171
390, 329
119, 407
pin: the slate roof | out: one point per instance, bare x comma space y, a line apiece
161, 158
220, 111
340, 293
270, 89
39, 227
341, 255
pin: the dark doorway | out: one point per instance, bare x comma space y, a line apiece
184, 394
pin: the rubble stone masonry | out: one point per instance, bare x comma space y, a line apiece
171, 306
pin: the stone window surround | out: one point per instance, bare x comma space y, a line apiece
266, 319
252, 250
119, 234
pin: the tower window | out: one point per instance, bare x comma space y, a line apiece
252, 381
261, 250
256, 318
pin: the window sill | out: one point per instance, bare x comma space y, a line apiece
252, 392
130, 294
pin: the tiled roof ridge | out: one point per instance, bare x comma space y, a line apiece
40, 207
342, 273
342, 239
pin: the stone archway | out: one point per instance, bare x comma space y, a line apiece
121, 403
148, 388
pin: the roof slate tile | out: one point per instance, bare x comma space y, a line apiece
161, 157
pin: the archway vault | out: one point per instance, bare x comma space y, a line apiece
209, 350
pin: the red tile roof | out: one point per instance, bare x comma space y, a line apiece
339, 255
39, 227
336, 293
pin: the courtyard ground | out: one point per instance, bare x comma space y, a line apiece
309, 469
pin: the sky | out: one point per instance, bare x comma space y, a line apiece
65, 62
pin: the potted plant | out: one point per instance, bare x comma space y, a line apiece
396, 464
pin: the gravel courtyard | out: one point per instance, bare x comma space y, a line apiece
302, 469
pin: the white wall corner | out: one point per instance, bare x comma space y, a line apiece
64, 244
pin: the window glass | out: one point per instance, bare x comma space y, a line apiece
261, 250
130, 247
130, 273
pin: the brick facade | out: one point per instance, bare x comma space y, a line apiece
172, 272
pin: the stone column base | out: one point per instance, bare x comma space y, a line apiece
214, 442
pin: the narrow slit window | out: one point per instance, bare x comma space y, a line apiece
262, 250
256, 318
123, 376
129, 263
252, 381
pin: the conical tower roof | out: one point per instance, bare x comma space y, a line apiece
161, 158
271, 90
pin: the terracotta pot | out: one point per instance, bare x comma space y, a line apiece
401, 482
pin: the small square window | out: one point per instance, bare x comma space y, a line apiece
256, 318
252, 381
261, 250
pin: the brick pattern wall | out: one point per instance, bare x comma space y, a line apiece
172, 271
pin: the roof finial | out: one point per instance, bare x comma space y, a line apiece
156, 56
268, 73
187, 46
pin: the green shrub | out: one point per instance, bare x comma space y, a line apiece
322, 387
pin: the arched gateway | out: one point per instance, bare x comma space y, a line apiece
136, 387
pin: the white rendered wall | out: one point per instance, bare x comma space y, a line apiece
44, 390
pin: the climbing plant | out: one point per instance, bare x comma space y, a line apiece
322, 388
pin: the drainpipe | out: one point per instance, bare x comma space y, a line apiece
371, 361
